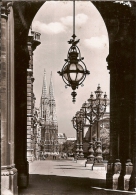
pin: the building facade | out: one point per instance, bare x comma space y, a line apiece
48, 118
62, 138
33, 42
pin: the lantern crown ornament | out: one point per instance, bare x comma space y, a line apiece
74, 70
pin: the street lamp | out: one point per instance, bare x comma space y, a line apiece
80, 125
99, 105
75, 126
88, 112
74, 70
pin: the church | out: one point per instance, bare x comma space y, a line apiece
48, 118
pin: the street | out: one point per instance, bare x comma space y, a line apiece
62, 177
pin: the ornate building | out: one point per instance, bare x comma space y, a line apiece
32, 42
48, 118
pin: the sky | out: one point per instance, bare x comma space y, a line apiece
54, 21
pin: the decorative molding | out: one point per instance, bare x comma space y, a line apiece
5, 9
8, 167
128, 3
8, 172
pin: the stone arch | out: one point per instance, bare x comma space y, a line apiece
120, 21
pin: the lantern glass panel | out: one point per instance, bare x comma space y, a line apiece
80, 74
66, 72
73, 74
77, 75
72, 67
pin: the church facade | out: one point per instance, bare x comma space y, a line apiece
48, 118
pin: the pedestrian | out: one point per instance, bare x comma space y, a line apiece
75, 157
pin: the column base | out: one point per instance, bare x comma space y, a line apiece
9, 182
89, 164
98, 166
22, 180
23, 175
132, 183
125, 175
113, 174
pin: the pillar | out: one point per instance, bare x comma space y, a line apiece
21, 65
121, 63
29, 116
8, 170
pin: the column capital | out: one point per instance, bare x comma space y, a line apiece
5, 9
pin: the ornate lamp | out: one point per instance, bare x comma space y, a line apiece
80, 125
99, 105
74, 70
75, 126
89, 116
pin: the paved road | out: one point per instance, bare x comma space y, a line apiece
62, 178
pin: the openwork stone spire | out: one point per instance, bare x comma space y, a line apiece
51, 91
44, 87
52, 104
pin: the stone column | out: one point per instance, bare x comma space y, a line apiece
8, 170
21, 65
29, 116
114, 165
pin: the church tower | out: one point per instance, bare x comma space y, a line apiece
44, 97
49, 129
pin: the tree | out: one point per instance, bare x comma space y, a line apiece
69, 146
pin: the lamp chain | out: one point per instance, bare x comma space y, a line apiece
74, 19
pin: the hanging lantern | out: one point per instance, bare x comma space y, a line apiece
74, 70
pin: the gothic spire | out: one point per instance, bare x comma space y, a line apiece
44, 87
51, 91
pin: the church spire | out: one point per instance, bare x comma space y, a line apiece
44, 87
51, 91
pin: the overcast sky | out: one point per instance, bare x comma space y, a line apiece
55, 23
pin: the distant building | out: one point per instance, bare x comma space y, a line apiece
62, 138
32, 42
71, 139
48, 118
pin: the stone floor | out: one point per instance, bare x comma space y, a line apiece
62, 177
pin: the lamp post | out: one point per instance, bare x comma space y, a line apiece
99, 105
80, 124
88, 110
75, 126
74, 70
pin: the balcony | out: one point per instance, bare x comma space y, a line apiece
34, 39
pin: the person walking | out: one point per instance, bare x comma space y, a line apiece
75, 157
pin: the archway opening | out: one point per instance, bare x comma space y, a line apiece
56, 30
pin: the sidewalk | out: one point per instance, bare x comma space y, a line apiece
61, 177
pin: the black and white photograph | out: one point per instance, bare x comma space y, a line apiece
68, 97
